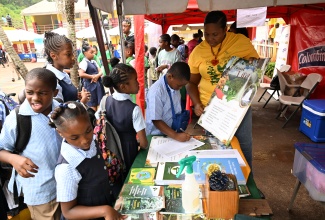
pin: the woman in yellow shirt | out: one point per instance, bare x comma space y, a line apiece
207, 62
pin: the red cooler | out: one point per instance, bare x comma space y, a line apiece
312, 121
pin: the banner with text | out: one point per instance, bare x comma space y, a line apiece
307, 45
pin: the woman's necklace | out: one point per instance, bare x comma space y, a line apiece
215, 61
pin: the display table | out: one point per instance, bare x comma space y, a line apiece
142, 155
27, 57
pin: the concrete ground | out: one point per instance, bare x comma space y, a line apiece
273, 156
273, 151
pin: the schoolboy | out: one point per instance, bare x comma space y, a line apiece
158, 113
35, 165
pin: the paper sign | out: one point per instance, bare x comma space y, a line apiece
251, 17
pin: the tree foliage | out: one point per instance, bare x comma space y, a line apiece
19, 3
14, 8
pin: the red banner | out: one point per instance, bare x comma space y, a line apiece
307, 45
139, 57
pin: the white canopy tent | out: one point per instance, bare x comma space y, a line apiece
89, 32
22, 35
61, 31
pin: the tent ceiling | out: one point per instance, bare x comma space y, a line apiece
210, 5
104, 5
134, 7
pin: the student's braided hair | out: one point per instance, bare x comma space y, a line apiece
120, 74
66, 111
53, 42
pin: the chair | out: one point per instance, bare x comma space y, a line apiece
267, 86
308, 85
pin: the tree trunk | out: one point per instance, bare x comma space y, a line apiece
18, 64
70, 16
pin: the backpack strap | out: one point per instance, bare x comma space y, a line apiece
6, 107
24, 130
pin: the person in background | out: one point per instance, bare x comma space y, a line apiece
9, 21
128, 35
167, 56
207, 62
83, 187
2, 57
146, 58
159, 117
174, 41
129, 53
4, 20
98, 57
233, 28
200, 36
35, 165
60, 56
193, 43
272, 32
152, 73
81, 55
108, 56
114, 61
91, 74
105, 23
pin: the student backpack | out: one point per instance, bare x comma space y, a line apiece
8, 102
24, 129
110, 145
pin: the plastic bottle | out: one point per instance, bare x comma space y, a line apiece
190, 187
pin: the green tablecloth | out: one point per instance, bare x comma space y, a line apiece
141, 160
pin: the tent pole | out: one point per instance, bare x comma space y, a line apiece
120, 20
102, 20
99, 35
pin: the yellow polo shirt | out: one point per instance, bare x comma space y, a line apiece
200, 61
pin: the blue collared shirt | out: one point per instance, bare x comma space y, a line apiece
159, 106
60, 76
43, 149
66, 174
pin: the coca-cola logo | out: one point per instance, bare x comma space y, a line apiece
312, 56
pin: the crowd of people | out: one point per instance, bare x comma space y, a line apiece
62, 170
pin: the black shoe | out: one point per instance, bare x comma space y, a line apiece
13, 79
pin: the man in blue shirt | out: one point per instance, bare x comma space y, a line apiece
159, 117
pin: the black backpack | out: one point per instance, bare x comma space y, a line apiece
24, 129
275, 83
